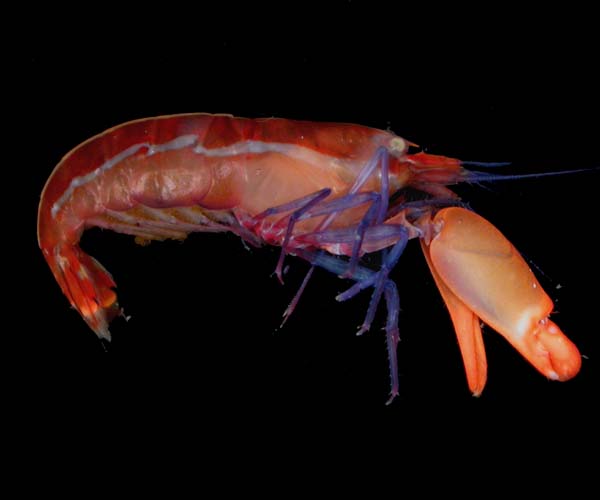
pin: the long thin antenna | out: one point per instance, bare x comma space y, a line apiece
486, 164
475, 176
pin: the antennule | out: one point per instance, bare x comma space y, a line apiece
475, 176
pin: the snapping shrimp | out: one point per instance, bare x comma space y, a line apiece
328, 193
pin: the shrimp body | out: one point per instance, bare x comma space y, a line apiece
313, 189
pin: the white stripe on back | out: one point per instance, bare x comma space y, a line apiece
300, 153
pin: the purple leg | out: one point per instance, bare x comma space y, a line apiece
313, 205
339, 205
392, 335
370, 167
419, 207
390, 260
299, 204
382, 157
384, 233
380, 205
307, 207
363, 275
385, 186
299, 207
290, 309
360, 234
306, 212
377, 211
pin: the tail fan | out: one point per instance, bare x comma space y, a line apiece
88, 286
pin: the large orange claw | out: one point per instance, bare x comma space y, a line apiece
481, 275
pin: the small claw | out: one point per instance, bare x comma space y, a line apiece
393, 395
290, 308
363, 329
279, 266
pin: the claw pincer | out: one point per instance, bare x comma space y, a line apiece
481, 275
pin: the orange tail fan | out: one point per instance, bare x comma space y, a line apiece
87, 285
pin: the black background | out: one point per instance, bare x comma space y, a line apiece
203, 354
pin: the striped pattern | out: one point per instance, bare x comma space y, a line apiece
299, 153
